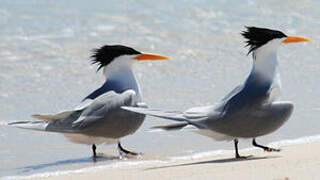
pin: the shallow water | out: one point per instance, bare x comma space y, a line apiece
45, 48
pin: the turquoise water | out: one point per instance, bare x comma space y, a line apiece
44, 54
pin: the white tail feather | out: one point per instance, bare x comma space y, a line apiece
32, 125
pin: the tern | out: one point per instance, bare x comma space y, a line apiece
251, 109
99, 118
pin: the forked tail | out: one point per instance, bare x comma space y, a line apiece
186, 121
32, 125
171, 127
172, 115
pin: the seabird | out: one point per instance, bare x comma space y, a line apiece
250, 110
99, 117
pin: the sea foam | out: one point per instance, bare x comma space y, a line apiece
193, 156
83, 170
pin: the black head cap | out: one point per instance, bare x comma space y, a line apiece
106, 54
257, 37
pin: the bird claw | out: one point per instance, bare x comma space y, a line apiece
125, 155
272, 150
243, 157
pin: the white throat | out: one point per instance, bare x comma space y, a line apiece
118, 64
265, 67
265, 64
119, 73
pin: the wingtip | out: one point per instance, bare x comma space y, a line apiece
43, 117
35, 115
128, 108
154, 129
124, 107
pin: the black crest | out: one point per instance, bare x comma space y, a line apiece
257, 37
106, 54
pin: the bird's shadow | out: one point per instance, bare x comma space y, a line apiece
218, 161
83, 160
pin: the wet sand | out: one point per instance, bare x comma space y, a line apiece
293, 162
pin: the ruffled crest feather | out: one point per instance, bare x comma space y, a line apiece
257, 37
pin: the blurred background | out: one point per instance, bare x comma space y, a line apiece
45, 67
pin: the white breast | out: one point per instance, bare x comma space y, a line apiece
266, 65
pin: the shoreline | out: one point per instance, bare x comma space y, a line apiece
299, 159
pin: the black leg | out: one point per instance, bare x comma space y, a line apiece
122, 150
263, 147
94, 150
236, 141
236, 148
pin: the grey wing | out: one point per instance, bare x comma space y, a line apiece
220, 106
98, 109
197, 119
235, 91
172, 115
62, 121
191, 115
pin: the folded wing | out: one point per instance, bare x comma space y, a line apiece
86, 114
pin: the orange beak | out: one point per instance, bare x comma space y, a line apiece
294, 39
145, 56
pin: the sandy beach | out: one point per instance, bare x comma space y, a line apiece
46, 67
293, 162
